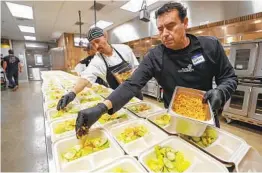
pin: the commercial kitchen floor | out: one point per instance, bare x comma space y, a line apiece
23, 147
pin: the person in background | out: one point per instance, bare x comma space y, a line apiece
82, 65
12, 66
107, 59
181, 60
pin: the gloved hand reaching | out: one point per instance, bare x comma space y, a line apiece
87, 117
65, 100
216, 99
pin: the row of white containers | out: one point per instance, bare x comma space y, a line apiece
132, 156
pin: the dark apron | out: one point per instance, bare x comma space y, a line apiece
111, 80
170, 78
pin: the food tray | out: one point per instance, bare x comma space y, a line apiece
132, 101
170, 129
134, 148
99, 92
144, 114
85, 93
98, 97
89, 162
53, 125
125, 69
200, 162
186, 125
108, 125
225, 148
53, 111
127, 163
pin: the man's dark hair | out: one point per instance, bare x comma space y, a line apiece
10, 51
182, 11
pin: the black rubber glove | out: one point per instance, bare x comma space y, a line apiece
65, 100
215, 98
87, 117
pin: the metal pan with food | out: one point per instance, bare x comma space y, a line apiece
163, 120
93, 150
123, 164
225, 147
176, 155
137, 135
123, 72
64, 127
70, 110
143, 109
107, 121
191, 115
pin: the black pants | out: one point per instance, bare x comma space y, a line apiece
10, 76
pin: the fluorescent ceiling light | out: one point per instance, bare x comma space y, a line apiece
30, 38
102, 24
257, 21
29, 29
135, 5
22, 11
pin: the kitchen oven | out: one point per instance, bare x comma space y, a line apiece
255, 110
243, 56
258, 69
239, 102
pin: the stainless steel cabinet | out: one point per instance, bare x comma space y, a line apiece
258, 69
256, 104
239, 102
243, 57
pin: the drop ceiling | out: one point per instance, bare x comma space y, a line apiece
51, 18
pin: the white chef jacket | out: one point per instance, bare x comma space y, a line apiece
97, 66
79, 68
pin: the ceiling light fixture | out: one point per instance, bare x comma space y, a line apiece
22, 11
102, 24
29, 29
199, 32
257, 21
135, 5
30, 38
259, 30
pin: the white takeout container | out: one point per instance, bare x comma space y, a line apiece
53, 111
110, 124
200, 162
134, 148
144, 114
88, 162
127, 163
53, 125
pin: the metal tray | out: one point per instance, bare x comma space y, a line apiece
144, 114
200, 162
227, 148
186, 125
127, 163
108, 125
170, 128
53, 111
134, 148
89, 162
53, 125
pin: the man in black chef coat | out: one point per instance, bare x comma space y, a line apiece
181, 60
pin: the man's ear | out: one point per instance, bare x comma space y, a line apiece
106, 35
186, 22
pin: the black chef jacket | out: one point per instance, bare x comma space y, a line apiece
192, 67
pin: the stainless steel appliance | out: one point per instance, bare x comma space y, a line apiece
239, 102
152, 89
243, 56
35, 72
258, 69
57, 58
255, 110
